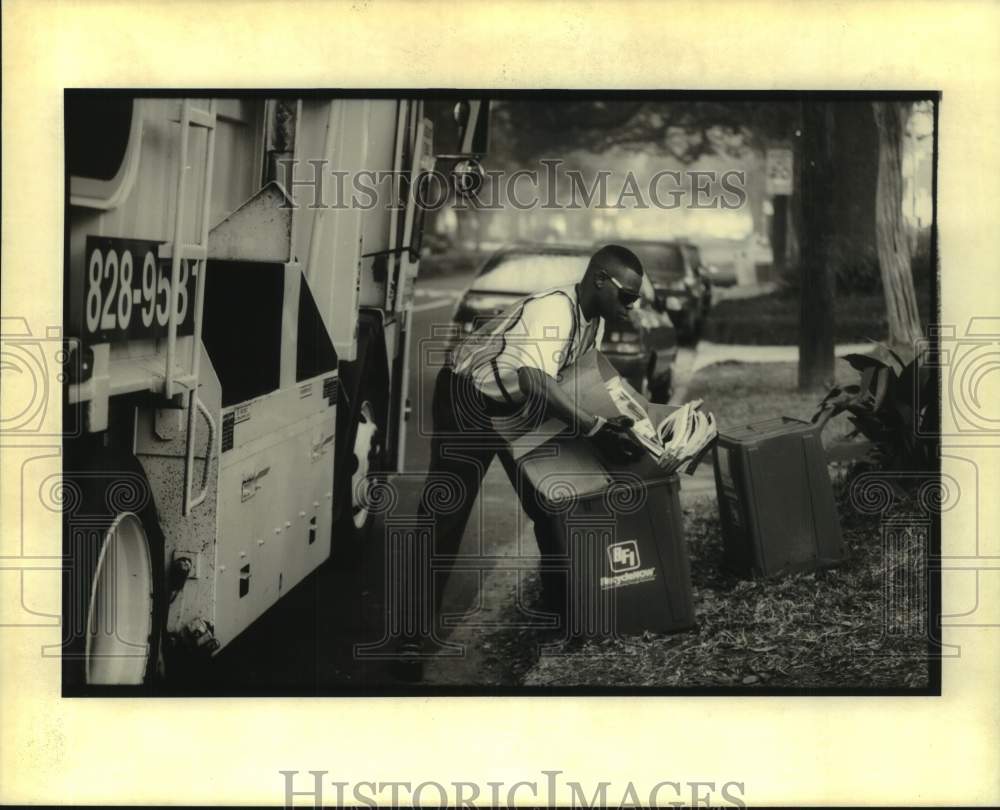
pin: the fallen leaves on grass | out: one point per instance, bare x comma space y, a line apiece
861, 625
823, 629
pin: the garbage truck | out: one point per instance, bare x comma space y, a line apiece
238, 283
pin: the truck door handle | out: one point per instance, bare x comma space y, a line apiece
191, 503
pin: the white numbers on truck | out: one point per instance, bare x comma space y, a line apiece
111, 298
110, 272
162, 298
94, 270
125, 291
182, 292
148, 289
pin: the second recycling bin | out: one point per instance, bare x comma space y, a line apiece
775, 498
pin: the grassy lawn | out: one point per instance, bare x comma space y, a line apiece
740, 393
804, 631
774, 319
812, 630
743, 393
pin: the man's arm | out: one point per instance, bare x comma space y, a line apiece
537, 386
536, 377
611, 435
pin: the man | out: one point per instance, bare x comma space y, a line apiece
512, 365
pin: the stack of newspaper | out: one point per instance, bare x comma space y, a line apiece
681, 438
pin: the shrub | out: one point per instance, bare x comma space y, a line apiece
893, 406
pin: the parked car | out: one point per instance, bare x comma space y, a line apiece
722, 274
702, 273
641, 349
680, 281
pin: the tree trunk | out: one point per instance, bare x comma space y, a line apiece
856, 157
816, 324
891, 238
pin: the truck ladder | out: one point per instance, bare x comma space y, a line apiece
178, 251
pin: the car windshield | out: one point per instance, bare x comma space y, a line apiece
663, 263
531, 272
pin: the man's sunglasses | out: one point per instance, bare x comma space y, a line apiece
628, 298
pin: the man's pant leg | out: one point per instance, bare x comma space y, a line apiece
550, 542
462, 448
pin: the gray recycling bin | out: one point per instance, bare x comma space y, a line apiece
775, 498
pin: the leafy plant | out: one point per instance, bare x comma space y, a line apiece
894, 406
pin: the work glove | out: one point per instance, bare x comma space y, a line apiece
613, 439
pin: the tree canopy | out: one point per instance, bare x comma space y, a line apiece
525, 130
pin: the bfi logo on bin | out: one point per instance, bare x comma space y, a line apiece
623, 556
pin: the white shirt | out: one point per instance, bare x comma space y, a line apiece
546, 331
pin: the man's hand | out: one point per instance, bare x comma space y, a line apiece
615, 441
610, 435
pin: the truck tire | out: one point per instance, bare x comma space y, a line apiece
113, 580
362, 423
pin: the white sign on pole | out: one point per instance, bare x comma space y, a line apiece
778, 171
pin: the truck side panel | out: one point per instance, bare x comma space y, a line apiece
268, 383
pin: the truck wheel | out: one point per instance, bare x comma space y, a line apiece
113, 582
